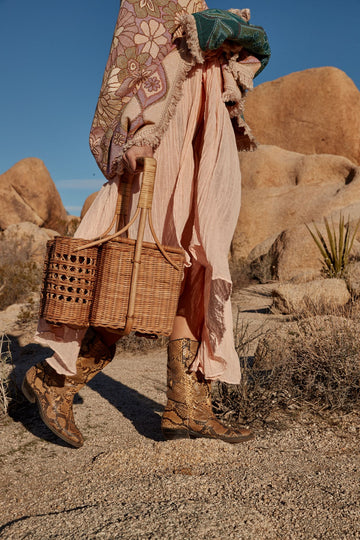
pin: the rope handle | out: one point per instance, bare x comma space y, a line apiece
148, 165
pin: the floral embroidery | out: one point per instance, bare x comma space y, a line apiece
133, 69
194, 5
137, 77
107, 108
172, 13
113, 80
152, 37
124, 33
148, 8
119, 138
152, 84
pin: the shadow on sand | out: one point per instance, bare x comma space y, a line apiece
140, 410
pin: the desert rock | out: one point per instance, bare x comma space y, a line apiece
353, 278
28, 193
315, 111
283, 189
324, 293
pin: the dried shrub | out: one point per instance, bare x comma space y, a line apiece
140, 343
318, 364
311, 364
252, 399
19, 275
29, 312
5, 379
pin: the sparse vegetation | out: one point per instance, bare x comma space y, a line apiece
140, 343
19, 275
5, 380
336, 248
313, 364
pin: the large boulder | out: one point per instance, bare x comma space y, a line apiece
283, 190
353, 277
321, 294
28, 193
315, 111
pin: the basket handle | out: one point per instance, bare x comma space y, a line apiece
144, 203
148, 165
144, 209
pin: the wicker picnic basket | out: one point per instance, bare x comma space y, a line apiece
114, 282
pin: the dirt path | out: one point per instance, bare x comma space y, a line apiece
126, 482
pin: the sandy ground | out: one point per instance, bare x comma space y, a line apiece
301, 481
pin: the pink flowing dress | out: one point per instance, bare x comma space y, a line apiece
196, 206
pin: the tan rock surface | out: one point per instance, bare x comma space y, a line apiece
315, 111
294, 256
283, 189
28, 193
324, 293
353, 277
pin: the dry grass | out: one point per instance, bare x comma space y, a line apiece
137, 343
19, 275
252, 399
312, 364
241, 274
5, 379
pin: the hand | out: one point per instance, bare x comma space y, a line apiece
135, 152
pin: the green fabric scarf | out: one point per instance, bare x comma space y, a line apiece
214, 26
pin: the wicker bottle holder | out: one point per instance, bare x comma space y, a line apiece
114, 282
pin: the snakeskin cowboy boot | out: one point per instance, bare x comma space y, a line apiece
188, 413
54, 393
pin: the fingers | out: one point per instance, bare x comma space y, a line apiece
135, 152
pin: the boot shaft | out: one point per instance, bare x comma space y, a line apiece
94, 355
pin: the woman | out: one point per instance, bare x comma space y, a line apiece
174, 89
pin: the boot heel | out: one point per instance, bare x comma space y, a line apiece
174, 434
27, 391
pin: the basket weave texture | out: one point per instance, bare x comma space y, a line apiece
157, 291
68, 281
117, 283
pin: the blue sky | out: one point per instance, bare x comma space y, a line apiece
52, 57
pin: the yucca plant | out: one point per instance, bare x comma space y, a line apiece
336, 249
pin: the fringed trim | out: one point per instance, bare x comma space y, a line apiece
235, 110
152, 135
243, 13
188, 25
245, 139
242, 74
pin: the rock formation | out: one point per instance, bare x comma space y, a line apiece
27, 193
283, 190
293, 298
316, 111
